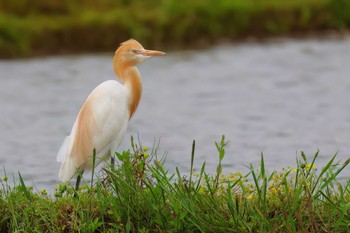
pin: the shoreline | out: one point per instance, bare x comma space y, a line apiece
204, 44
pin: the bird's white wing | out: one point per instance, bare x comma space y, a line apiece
101, 120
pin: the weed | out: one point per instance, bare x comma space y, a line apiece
138, 195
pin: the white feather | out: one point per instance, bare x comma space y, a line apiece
67, 170
62, 153
110, 116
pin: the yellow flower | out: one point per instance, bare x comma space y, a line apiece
145, 155
250, 196
273, 190
43, 192
293, 170
308, 166
231, 177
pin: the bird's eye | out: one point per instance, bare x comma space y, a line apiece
134, 51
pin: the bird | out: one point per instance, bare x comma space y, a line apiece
103, 118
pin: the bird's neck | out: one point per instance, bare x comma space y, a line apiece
131, 78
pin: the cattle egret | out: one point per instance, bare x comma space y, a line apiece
102, 120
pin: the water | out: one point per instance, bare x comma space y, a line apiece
278, 98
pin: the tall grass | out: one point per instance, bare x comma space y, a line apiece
139, 195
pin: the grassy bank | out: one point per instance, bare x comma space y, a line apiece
35, 27
140, 196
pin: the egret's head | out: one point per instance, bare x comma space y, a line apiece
133, 53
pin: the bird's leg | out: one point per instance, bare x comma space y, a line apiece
80, 174
112, 160
93, 166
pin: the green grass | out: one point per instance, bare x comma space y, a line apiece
35, 27
139, 195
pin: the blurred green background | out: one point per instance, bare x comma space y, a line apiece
37, 27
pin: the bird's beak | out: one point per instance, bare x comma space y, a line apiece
150, 53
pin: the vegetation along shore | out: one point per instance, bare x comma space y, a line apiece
139, 195
35, 27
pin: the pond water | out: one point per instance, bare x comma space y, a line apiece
279, 97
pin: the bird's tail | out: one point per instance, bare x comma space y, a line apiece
64, 150
68, 167
68, 170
